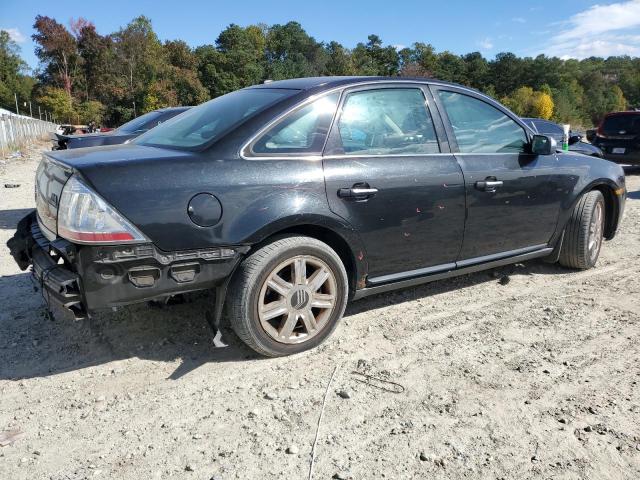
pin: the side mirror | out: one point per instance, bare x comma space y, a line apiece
591, 135
574, 139
543, 145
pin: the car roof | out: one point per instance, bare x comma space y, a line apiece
308, 83
169, 109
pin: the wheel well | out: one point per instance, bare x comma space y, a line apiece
331, 238
611, 209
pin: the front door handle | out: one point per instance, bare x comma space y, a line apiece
489, 184
357, 192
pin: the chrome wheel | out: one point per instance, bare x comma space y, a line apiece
297, 299
595, 232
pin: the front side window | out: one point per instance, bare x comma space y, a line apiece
208, 122
480, 127
387, 121
302, 131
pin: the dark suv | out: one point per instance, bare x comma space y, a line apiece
290, 198
618, 136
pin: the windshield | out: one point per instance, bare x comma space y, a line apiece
622, 124
140, 123
204, 124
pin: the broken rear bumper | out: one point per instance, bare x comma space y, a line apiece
84, 278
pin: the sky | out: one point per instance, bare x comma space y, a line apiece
564, 28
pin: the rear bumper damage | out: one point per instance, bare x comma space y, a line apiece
82, 279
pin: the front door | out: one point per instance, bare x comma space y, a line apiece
513, 197
388, 175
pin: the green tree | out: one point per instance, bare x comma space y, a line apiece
291, 52
338, 60
13, 78
58, 102
374, 59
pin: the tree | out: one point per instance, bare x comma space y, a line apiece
374, 59
237, 60
140, 58
338, 61
57, 50
58, 102
291, 52
13, 78
526, 102
541, 105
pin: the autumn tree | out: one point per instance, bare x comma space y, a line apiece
56, 49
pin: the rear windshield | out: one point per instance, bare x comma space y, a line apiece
141, 123
207, 122
622, 124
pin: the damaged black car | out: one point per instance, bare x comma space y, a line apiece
290, 198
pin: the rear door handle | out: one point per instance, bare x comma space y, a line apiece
489, 185
357, 192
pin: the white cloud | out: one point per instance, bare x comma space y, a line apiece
15, 34
399, 46
519, 20
601, 30
485, 44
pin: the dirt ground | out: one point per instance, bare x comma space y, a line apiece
534, 378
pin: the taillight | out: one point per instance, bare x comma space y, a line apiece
84, 217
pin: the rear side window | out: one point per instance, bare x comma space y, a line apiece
302, 131
387, 121
626, 124
480, 127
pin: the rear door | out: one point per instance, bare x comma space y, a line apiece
389, 175
513, 197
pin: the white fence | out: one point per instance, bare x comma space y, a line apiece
18, 130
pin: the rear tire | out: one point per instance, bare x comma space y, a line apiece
287, 296
584, 232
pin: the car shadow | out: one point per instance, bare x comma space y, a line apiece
9, 218
33, 345
532, 267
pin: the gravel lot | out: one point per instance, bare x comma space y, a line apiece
535, 377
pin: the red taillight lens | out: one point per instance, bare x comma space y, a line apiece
84, 217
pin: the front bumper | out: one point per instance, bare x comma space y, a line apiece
82, 279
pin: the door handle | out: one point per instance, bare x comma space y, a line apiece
489, 184
357, 192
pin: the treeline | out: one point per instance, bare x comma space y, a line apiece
84, 75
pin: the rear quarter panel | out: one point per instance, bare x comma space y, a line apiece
259, 197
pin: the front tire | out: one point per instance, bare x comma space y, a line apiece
584, 232
287, 296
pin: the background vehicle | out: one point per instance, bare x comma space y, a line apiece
125, 132
618, 135
297, 195
553, 130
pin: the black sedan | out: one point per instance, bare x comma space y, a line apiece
292, 197
553, 130
127, 131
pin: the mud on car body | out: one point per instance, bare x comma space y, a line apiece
290, 198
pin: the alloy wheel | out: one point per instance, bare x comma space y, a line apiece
595, 232
297, 299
